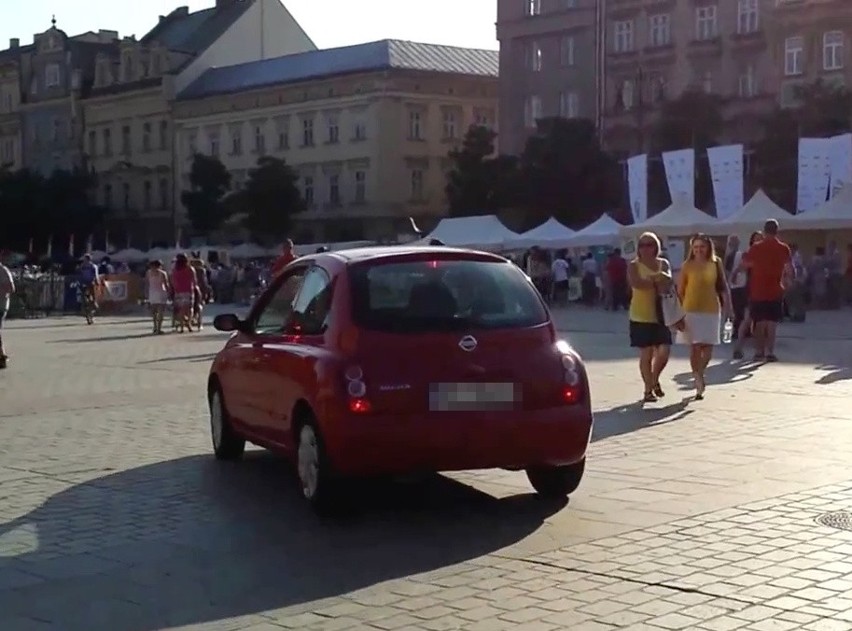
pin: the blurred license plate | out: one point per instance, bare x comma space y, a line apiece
467, 397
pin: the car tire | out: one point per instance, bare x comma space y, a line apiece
556, 482
316, 480
227, 444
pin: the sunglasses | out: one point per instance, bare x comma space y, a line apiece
647, 244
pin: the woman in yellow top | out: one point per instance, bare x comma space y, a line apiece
649, 275
704, 292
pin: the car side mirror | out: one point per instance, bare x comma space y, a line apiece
228, 322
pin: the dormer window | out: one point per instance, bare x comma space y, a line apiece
52, 78
127, 68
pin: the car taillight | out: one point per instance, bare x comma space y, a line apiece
356, 389
572, 381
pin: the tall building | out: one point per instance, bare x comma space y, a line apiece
548, 64
368, 128
10, 107
128, 118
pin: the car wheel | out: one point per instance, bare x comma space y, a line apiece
557, 482
227, 445
318, 486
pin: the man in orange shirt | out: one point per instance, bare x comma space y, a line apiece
770, 264
284, 259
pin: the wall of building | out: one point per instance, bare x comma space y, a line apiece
49, 137
10, 123
265, 30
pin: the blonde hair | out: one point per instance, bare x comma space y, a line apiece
650, 236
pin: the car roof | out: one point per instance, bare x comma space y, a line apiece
360, 255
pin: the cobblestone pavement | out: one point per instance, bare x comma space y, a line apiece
694, 515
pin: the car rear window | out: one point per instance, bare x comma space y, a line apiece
443, 295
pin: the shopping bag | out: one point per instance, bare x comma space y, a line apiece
673, 313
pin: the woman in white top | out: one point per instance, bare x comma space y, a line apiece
157, 286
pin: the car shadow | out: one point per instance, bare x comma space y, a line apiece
193, 540
194, 359
624, 419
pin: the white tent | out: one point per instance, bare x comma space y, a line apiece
603, 231
129, 255
681, 219
483, 232
247, 251
835, 214
754, 214
549, 235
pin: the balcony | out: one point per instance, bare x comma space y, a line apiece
705, 47
622, 59
659, 55
748, 43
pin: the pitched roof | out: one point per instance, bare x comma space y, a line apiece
194, 32
374, 56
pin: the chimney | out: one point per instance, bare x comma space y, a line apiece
107, 35
15, 42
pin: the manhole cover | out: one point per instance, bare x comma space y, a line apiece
840, 520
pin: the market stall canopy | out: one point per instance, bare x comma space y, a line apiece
681, 219
835, 214
754, 214
482, 232
603, 231
129, 255
550, 235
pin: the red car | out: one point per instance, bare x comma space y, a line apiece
397, 360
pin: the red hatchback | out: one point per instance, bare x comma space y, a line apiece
397, 360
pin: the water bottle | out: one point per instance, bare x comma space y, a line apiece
728, 332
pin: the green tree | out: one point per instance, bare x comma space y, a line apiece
820, 110
694, 120
566, 174
209, 181
270, 200
480, 182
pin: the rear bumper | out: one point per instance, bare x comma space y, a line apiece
381, 445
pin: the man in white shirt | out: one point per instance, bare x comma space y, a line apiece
7, 288
737, 280
559, 272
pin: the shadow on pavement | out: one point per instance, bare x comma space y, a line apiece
834, 374
105, 338
625, 419
716, 374
193, 359
193, 540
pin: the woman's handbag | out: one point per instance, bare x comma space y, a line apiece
672, 311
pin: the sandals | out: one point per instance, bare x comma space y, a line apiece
649, 397
658, 391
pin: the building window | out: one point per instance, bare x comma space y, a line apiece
107, 142
532, 111
660, 30
308, 189
57, 130
415, 126
747, 16
360, 131
747, 84
705, 23
125, 140
569, 105
213, 139
707, 82
628, 94
108, 196
146, 195
236, 142
192, 143
283, 139
334, 189
146, 137
164, 194
360, 187
623, 41
533, 56
93, 143
126, 196
832, 50
566, 51
52, 77
259, 140
481, 118
308, 132
417, 184
164, 135
794, 55
333, 129
532, 7
450, 128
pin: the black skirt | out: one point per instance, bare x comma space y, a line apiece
649, 334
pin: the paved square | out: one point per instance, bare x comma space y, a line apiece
725, 514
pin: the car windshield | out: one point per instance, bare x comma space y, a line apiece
443, 295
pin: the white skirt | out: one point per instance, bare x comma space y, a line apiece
701, 328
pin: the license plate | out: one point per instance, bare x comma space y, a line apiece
469, 397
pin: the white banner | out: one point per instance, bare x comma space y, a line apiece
726, 170
637, 186
814, 173
840, 162
116, 291
680, 173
